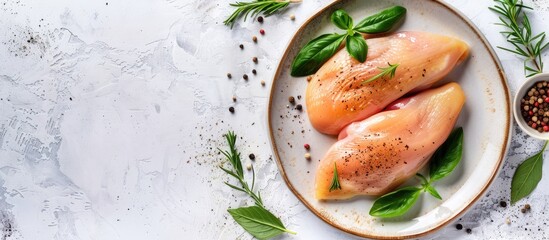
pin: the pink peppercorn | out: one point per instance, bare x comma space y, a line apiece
547, 99
534, 125
530, 113
262, 31
546, 128
306, 146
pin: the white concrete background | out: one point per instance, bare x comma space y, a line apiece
110, 113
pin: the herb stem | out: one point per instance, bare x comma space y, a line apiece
234, 158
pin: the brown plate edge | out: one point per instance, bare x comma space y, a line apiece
505, 148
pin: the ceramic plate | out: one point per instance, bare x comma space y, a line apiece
485, 119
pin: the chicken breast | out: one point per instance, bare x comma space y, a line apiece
375, 155
335, 96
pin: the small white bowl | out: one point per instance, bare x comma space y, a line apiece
523, 89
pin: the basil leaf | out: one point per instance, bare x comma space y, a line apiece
356, 46
433, 192
395, 203
447, 156
381, 22
258, 222
527, 176
311, 57
342, 20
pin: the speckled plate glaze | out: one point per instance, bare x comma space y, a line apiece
485, 119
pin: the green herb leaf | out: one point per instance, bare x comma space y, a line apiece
311, 57
395, 203
253, 8
342, 20
356, 46
447, 156
390, 70
527, 176
259, 222
335, 180
430, 189
381, 22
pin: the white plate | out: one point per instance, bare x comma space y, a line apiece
485, 119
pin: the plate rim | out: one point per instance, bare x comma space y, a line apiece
438, 226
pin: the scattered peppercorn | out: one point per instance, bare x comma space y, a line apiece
260, 19
234, 98
254, 38
254, 59
231, 109
535, 106
245, 76
229, 75
307, 156
309, 78
307, 146
292, 17
468, 230
254, 71
262, 31
459, 226
291, 99
249, 166
252, 156
527, 206
262, 82
523, 210
241, 46
299, 107
503, 204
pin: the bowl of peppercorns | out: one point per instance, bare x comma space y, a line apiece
531, 106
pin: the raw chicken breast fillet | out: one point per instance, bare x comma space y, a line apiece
335, 96
375, 155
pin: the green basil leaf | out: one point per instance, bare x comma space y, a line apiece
342, 20
356, 46
447, 156
311, 57
527, 176
433, 192
395, 203
259, 222
381, 22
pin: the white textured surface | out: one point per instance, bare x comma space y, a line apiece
110, 116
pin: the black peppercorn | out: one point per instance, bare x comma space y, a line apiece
254, 59
459, 226
229, 75
254, 71
503, 204
231, 109
299, 107
241, 46
252, 156
468, 230
260, 19
245, 76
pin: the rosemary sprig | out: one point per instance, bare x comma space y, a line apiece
234, 158
256, 220
390, 70
253, 8
519, 33
335, 180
